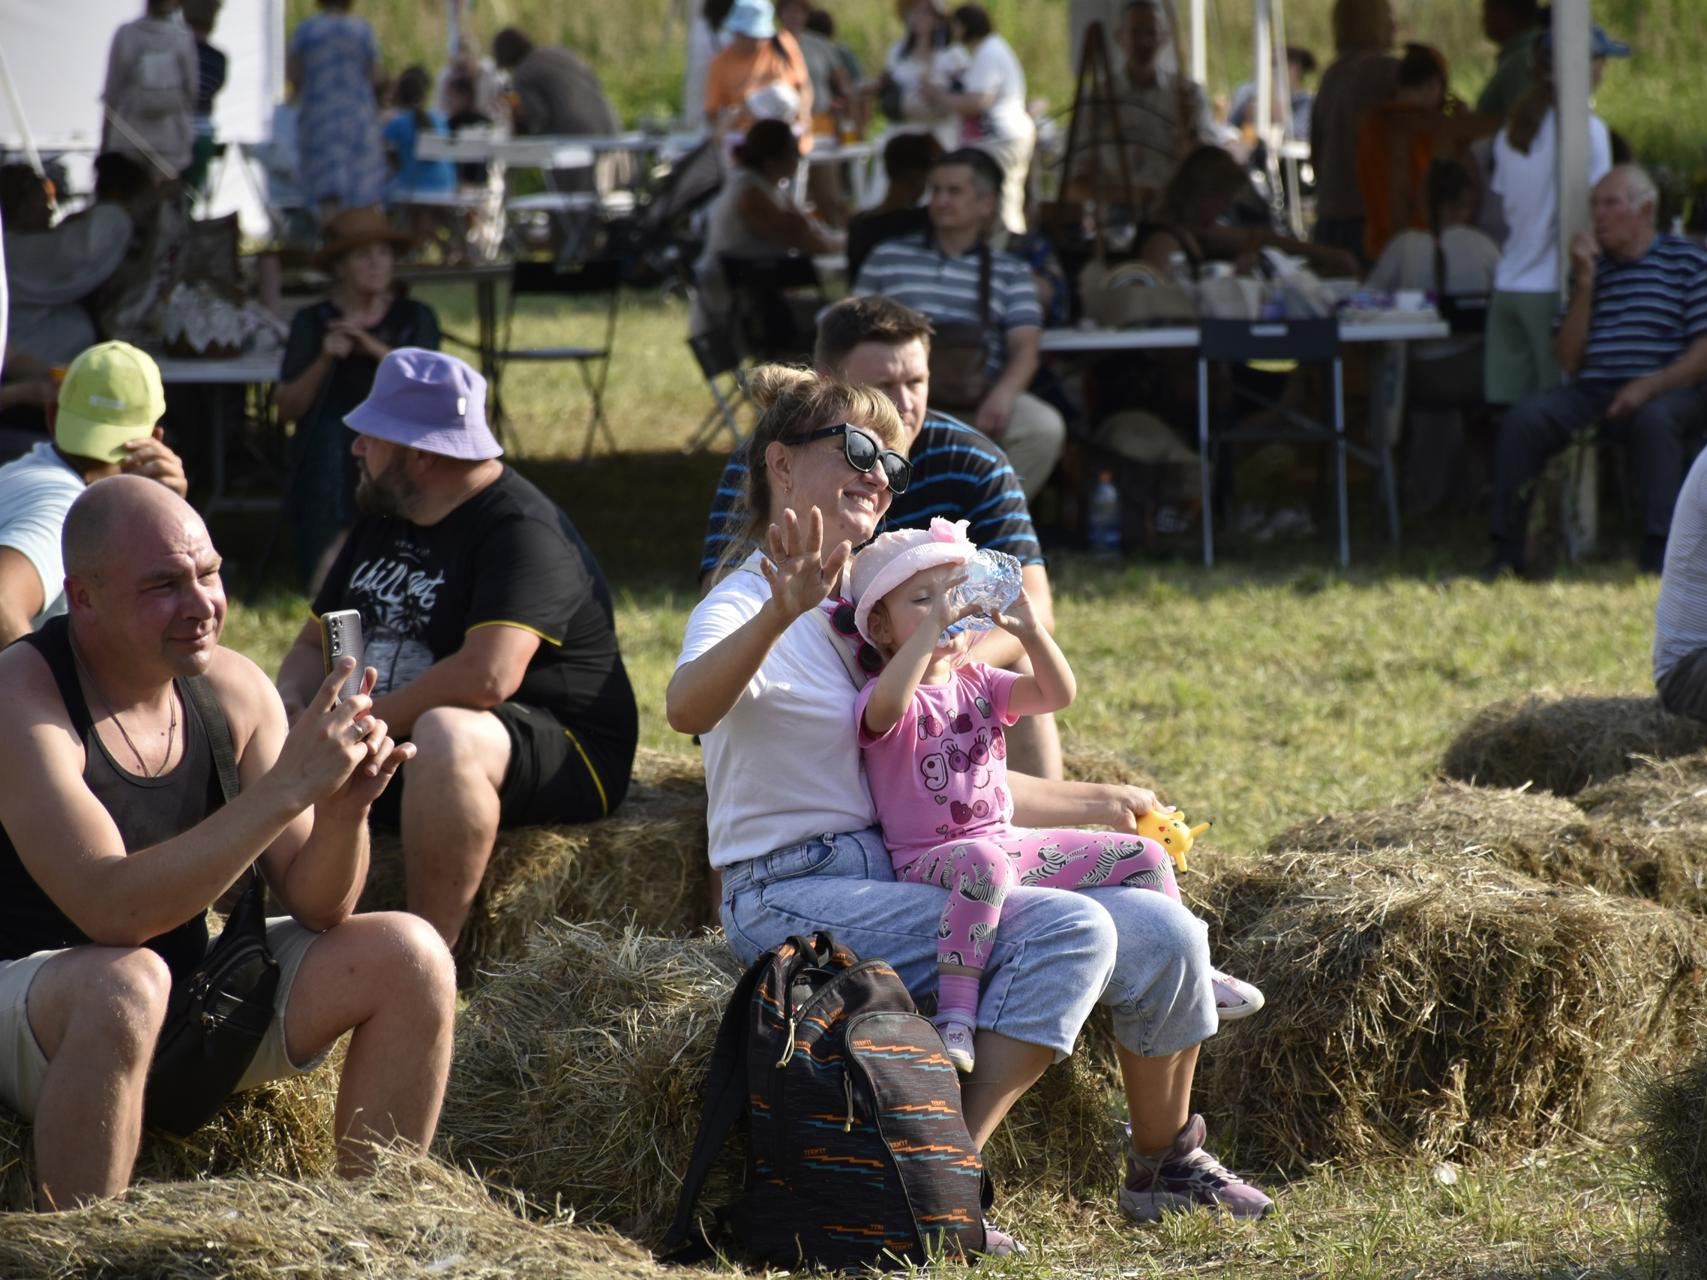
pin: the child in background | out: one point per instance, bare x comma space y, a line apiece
932, 730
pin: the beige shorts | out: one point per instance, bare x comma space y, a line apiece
23, 1066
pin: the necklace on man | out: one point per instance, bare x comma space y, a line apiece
171, 727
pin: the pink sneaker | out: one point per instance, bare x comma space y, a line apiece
1234, 997
1185, 1176
957, 1041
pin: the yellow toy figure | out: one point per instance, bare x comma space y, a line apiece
1167, 827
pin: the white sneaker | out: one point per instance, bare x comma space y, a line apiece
957, 1041
1234, 997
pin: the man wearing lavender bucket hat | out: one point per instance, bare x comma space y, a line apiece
491, 628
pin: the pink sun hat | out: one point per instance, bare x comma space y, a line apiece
891, 558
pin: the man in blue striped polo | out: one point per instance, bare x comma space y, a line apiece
952, 274
958, 473
1633, 338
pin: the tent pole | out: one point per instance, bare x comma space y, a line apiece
1200, 44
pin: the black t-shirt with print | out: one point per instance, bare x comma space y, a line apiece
505, 557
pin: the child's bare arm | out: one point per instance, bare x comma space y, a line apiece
900, 678
1050, 686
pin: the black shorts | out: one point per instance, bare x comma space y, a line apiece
551, 776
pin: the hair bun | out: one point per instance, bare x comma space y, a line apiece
769, 383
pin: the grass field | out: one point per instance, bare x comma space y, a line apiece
1657, 100
1269, 690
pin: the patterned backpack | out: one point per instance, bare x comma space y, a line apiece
857, 1153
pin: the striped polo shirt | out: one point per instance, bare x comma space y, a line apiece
916, 273
958, 474
1646, 311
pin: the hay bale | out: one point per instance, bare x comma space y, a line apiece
1565, 743
1081, 762
1656, 795
283, 1129
1533, 832
578, 1069
1432, 1004
414, 1218
1673, 1145
646, 864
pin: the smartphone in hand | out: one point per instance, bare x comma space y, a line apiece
341, 637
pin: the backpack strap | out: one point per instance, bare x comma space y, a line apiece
726, 1096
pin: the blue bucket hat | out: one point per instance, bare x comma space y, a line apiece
430, 401
755, 18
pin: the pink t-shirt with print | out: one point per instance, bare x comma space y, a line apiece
941, 772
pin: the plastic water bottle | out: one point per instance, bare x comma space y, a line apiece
993, 581
1103, 518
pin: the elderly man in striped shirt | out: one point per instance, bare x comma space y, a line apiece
1633, 339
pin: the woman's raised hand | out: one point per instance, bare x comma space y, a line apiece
795, 565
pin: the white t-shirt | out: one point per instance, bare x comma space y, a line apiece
994, 69
1408, 263
36, 491
1527, 186
783, 765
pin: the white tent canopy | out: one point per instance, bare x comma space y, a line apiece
57, 56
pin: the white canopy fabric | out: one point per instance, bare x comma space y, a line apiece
57, 56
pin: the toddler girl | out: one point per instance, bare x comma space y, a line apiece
931, 727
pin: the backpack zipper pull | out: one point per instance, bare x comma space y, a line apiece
787, 1052
847, 1087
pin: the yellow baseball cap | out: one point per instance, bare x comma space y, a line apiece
111, 394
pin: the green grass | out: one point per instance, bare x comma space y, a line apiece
1656, 99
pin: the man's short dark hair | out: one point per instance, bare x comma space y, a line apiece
871, 318
509, 47
986, 173
908, 155
20, 189
1525, 11
974, 20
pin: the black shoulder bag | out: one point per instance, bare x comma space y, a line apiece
218, 1013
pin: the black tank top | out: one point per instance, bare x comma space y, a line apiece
146, 811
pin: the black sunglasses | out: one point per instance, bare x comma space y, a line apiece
842, 619
863, 453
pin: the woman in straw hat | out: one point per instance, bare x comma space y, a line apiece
331, 357
769, 674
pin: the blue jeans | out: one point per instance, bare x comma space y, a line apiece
1059, 951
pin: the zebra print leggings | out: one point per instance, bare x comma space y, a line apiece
978, 873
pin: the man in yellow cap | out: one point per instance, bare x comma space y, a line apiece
110, 405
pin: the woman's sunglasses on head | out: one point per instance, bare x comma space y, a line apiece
863, 452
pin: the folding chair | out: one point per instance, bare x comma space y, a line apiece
547, 279
776, 301
717, 358
1238, 341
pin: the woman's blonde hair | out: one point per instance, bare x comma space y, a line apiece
793, 404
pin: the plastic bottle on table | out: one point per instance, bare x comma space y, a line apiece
1103, 518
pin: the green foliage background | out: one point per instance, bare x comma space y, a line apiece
1658, 100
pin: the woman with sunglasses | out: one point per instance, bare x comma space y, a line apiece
768, 677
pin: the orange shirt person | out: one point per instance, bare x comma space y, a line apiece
760, 74
1400, 139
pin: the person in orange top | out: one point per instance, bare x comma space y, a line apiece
1399, 139
760, 75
